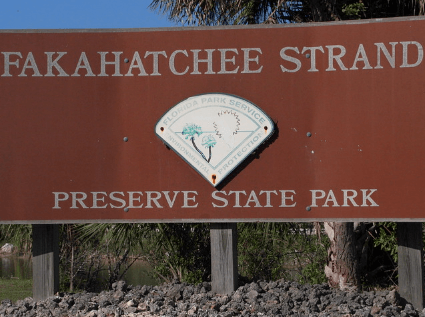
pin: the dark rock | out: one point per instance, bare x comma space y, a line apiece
252, 296
188, 292
176, 292
182, 306
255, 287
6, 302
277, 298
119, 286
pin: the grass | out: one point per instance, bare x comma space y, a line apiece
15, 289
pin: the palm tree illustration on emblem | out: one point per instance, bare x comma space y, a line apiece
191, 130
226, 126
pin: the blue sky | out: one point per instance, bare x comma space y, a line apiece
79, 14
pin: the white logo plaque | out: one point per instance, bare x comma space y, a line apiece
214, 132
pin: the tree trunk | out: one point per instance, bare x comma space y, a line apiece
342, 267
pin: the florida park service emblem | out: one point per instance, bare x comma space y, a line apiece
214, 133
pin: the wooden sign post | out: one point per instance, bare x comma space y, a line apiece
411, 263
45, 245
224, 257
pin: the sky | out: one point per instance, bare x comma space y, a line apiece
80, 14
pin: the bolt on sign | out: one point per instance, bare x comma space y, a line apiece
250, 123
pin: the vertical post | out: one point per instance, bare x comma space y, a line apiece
410, 263
224, 258
45, 261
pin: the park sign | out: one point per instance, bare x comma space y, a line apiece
292, 122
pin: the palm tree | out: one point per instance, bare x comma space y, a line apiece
232, 12
227, 12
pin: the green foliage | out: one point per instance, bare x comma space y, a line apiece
266, 251
180, 251
387, 239
261, 252
354, 10
80, 259
312, 257
18, 235
223, 12
271, 251
15, 289
313, 273
384, 259
110, 247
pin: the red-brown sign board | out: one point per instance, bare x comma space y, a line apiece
79, 109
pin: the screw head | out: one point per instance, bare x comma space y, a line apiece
307, 55
308, 208
126, 209
125, 139
309, 134
126, 60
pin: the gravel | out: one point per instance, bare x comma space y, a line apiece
279, 298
